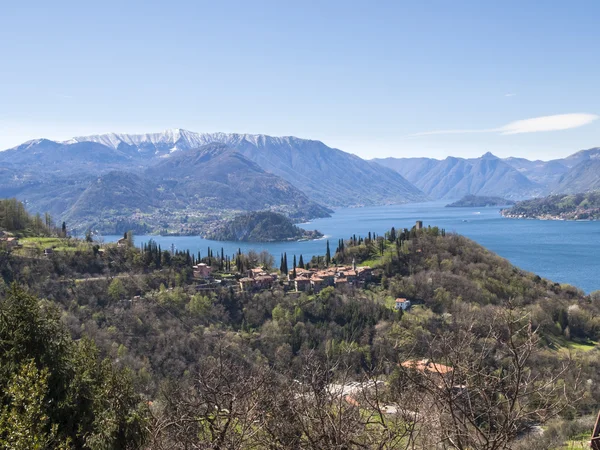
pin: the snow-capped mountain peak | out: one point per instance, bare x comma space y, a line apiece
174, 139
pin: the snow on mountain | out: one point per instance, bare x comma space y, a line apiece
328, 175
175, 139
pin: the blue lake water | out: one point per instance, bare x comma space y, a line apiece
565, 252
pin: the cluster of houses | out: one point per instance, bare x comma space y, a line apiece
258, 279
313, 280
8, 241
317, 279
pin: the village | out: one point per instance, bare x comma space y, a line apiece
299, 280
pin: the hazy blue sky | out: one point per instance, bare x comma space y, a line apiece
372, 78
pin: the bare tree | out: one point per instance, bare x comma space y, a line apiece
484, 387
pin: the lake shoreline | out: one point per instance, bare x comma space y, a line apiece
537, 246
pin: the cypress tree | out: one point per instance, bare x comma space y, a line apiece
301, 262
294, 271
327, 254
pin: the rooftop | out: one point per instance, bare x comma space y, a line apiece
426, 366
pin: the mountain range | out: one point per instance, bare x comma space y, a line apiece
513, 178
180, 181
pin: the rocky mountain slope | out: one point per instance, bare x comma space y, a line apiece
584, 177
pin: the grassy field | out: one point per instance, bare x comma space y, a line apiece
561, 344
39, 244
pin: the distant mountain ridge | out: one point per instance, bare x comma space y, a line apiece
456, 177
512, 178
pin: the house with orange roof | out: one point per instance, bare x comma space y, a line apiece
364, 273
327, 277
246, 283
426, 366
302, 283
341, 281
316, 283
402, 303
263, 282
256, 272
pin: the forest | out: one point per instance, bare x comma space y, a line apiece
113, 346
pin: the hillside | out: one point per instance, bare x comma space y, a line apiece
191, 344
216, 176
583, 177
558, 207
185, 194
544, 173
262, 226
470, 201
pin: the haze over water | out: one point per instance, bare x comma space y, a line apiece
564, 252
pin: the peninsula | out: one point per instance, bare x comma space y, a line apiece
261, 226
584, 206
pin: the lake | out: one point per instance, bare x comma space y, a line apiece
565, 252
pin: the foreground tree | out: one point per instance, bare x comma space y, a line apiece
58, 393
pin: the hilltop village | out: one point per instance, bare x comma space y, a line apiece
303, 280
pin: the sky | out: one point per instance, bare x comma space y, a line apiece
378, 79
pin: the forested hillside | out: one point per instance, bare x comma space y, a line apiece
214, 366
558, 207
473, 201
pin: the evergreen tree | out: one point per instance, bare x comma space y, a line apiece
327, 255
301, 262
294, 271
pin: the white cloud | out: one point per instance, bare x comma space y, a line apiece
548, 123
510, 94
535, 125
